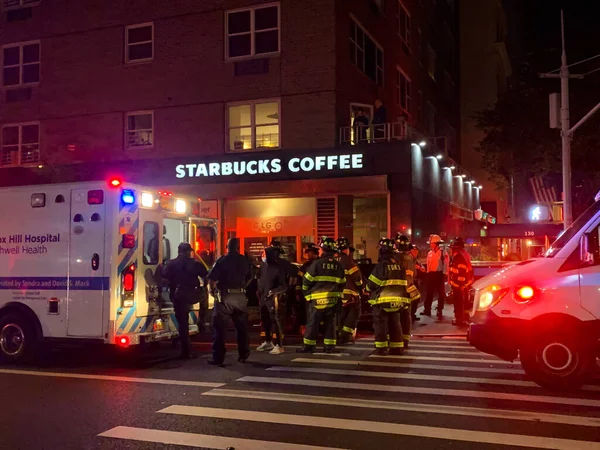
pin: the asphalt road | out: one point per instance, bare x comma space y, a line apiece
441, 395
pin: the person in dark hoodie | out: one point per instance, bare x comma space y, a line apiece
379, 120
272, 280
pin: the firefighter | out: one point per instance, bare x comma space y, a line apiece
312, 253
403, 247
461, 279
350, 311
419, 273
323, 287
387, 285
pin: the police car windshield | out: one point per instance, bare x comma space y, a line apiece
572, 230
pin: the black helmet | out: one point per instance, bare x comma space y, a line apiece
343, 243
275, 243
402, 242
328, 244
310, 247
184, 247
458, 242
386, 245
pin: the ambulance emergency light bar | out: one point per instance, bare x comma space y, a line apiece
148, 200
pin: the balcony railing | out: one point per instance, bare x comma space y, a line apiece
372, 134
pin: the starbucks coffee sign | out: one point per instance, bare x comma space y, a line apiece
308, 164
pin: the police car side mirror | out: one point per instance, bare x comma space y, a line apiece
589, 249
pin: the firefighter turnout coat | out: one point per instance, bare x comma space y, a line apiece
354, 280
388, 285
323, 282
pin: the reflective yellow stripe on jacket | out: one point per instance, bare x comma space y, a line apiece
325, 278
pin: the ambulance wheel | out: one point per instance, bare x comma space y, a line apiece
557, 362
19, 339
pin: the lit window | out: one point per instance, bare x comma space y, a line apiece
139, 42
21, 63
140, 129
431, 60
404, 27
252, 32
254, 125
16, 4
403, 89
20, 144
365, 53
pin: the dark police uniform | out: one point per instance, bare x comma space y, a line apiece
387, 284
302, 304
272, 276
233, 272
182, 274
323, 287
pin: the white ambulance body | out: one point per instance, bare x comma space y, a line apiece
78, 262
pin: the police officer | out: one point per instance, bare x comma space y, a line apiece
323, 287
350, 311
272, 276
312, 253
403, 247
387, 285
182, 275
419, 273
291, 271
229, 278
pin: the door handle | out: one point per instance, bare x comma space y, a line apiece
95, 261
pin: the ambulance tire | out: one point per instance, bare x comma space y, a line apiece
19, 339
558, 362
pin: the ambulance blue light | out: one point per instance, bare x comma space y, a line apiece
128, 197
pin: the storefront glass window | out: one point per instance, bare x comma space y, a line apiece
370, 218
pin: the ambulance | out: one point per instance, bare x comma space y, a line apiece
78, 263
546, 311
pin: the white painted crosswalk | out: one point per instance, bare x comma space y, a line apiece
439, 390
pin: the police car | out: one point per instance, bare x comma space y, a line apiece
546, 310
78, 263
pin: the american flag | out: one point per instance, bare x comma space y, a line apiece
543, 195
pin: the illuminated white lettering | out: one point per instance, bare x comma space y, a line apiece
214, 169
251, 167
226, 169
263, 166
239, 167
276, 165
344, 161
357, 162
201, 171
331, 161
180, 169
293, 165
307, 164
190, 168
320, 162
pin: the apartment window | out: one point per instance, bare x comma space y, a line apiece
21, 63
16, 4
431, 61
404, 27
20, 144
140, 129
365, 53
139, 42
252, 32
431, 118
254, 125
403, 89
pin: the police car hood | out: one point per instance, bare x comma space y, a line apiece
511, 273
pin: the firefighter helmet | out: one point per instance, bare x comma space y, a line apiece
435, 239
343, 243
458, 242
310, 247
386, 245
328, 244
402, 243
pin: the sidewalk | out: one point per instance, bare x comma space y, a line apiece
431, 327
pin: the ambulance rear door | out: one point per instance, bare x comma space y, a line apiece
87, 281
151, 238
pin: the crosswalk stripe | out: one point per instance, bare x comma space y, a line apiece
414, 350
436, 358
385, 427
461, 341
200, 440
404, 406
403, 376
412, 366
423, 390
414, 345
84, 376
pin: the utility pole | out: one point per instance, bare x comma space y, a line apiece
566, 130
